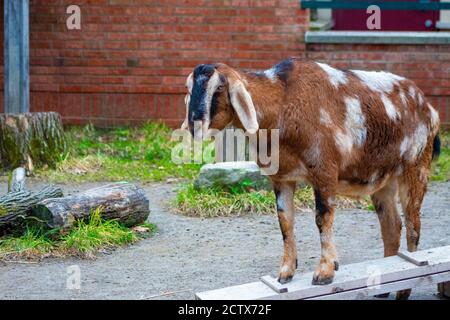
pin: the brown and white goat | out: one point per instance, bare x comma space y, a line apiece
350, 133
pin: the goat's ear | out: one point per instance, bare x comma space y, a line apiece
185, 123
242, 102
187, 99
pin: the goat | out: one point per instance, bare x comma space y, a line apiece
350, 133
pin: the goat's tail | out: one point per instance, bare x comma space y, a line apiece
436, 147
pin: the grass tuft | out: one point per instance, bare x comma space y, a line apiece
214, 202
84, 239
96, 234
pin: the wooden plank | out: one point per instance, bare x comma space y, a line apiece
385, 288
349, 277
407, 256
248, 291
16, 56
274, 284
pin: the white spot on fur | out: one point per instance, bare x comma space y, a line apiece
391, 111
373, 178
335, 76
325, 117
404, 145
403, 98
211, 88
378, 80
355, 130
313, 154
284, 268
420, 100
412, 92
271, 74
343, 142
411, 147
354, 121
331, 201
434, 115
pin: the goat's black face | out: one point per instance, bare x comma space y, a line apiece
206, 87
217, 96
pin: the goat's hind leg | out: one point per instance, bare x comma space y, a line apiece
284, 192
413, 186
384, 202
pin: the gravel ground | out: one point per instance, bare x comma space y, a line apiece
192, 254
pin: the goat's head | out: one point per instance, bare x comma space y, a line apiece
216, 97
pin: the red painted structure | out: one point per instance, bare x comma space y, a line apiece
391, 20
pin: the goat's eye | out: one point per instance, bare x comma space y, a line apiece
220, 88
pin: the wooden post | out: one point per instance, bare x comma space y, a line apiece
16, 55
444, 289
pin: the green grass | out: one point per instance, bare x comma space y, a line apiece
141, 153
440, 170
84, 239
208, 203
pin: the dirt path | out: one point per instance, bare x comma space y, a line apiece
201, 254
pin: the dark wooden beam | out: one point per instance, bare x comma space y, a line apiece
16, 56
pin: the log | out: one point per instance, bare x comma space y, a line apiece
15, 207
31, 140
17, 180
122, 201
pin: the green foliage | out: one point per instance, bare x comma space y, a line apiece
213, 202
32, 242
131, 154
440, 170
84, 239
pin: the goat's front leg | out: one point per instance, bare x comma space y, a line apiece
324, 273
284, 192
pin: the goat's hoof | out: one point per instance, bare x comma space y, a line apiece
322, 281
324, 273
382, 295
287, 271
284, 280
403, 294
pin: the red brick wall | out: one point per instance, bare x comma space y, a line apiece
427, 65
129, 61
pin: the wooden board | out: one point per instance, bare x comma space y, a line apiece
391, 274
